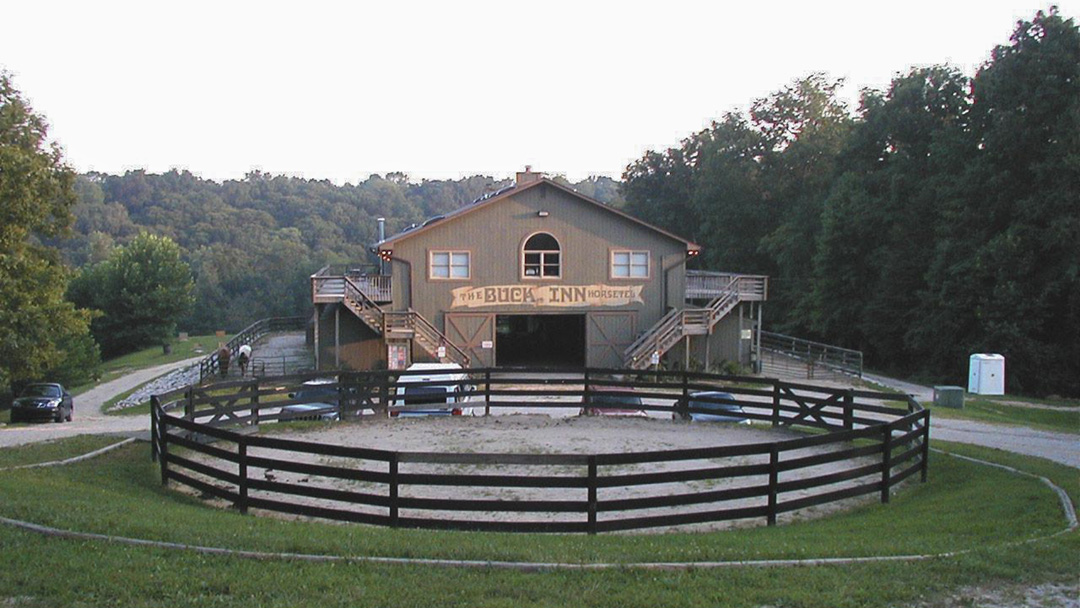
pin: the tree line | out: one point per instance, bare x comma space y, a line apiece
940, 219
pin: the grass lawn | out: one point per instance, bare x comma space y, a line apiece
194, 346
1061, 417
58, 449
964, 506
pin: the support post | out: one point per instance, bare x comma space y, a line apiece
318, 359
189, 405
487, 392
254, 403
774, 482
886, 461
683, 407
776, 403
154, 405
337, 337
163, 449
849, 414
394, 490
592, 494
241, 459
925, 446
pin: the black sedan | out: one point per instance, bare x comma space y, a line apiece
43, 401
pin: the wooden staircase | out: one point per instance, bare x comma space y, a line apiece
402, 325
679, 323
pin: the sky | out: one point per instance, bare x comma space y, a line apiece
443, 90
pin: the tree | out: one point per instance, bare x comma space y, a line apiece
1006, 274
36, 196
142, 290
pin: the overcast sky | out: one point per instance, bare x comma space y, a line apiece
338, 91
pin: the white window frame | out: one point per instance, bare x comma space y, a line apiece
450, 265
544, 253
630, 265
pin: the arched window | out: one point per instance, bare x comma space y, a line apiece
540, 257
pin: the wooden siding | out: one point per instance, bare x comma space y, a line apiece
469, 331
494, 235
607, 336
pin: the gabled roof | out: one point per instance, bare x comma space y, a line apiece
509, 191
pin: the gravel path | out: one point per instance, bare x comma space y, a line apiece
1063, 448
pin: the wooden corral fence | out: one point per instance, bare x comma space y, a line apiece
205, 438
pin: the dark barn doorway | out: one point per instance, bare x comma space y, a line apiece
545, 340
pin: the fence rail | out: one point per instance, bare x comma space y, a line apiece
210, 365
813, 355
874, 441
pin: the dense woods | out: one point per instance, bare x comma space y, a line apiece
251, 244
939, 220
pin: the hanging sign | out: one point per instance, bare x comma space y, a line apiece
556, 296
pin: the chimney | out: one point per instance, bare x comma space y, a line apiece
382, 228
528, 176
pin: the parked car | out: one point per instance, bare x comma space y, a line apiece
320, 399
612, 401
717, 406
440, 388
43, 401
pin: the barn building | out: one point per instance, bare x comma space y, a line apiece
535, 274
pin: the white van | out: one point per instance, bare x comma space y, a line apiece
432, 398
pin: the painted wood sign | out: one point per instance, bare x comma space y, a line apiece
558, 296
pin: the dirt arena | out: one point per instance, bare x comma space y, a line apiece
543, 434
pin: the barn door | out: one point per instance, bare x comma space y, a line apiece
470, 332
608, 335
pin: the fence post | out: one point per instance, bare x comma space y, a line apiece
774, 481
487, 392
776, 403
886, 461
585, 389
684, 404
384, 394
254, 403
163, 448
592, 494
154, 405
925, 446
849, 415
189, 405
241, 453
394, 490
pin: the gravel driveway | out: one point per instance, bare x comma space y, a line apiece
1063, 448
89, 420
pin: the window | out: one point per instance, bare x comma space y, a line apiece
541, 257
630, 264
449, 265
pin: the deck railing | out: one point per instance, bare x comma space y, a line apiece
814, 354
707, 285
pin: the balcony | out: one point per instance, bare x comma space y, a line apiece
708, 285
328, 284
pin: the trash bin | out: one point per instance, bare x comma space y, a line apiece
986, 375
949, 396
